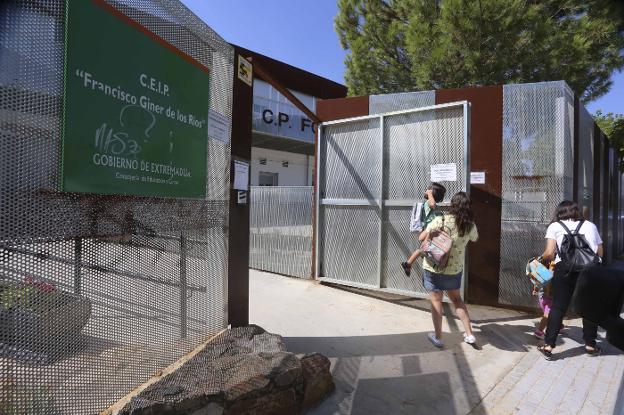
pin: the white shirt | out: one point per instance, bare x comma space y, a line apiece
555, 231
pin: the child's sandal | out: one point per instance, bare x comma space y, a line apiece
547, 353
406, 268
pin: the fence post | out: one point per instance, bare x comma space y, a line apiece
183, 288
77, 266
380, 253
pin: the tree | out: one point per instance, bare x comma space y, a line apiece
403, 45
613, 126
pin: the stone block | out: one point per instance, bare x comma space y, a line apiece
283, 402
243, 371
317, 379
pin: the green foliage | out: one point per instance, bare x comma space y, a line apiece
613, 126
13, 295
28, 298
403, 45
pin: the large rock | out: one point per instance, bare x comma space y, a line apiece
279, 402
243, 371
317, 379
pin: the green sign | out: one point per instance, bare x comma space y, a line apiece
136, 109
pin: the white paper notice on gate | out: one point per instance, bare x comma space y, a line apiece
444, 172
241, 175
477, 177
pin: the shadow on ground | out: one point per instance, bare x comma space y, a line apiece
361, 388
399, 373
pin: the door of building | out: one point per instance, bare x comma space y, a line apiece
268, 179
370, 173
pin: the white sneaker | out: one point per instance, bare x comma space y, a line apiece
433, 339
469, 339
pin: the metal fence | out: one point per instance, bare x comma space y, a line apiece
281, 230
371, 169
383, 103
97, 293
538, 160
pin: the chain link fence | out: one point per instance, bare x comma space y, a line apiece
281, 230
98, 292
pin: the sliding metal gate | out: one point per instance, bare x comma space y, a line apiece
371, 170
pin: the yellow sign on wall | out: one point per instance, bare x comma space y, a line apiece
245, 70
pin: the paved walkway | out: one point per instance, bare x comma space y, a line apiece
383, 364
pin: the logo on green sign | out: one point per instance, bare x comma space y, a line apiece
136, 109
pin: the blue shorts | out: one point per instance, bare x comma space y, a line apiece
441, 282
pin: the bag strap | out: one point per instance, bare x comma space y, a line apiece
423, 216
576, 231
564, 227
444, 226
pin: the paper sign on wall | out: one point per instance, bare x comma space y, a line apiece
241, 175
477, 177
218, 127
444, 172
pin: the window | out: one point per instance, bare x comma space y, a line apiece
268, 179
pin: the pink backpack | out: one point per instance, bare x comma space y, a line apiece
437, 246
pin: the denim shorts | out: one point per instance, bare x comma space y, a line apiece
441, 282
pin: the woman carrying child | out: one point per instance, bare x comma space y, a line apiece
567, 220
459, 223
429, 211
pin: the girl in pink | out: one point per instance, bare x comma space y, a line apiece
545, 303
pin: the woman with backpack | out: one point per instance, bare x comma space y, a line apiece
574, 244
460, 227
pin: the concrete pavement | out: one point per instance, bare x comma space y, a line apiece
383, 364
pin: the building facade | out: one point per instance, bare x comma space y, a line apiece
282, 151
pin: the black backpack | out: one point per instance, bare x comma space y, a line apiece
575, 251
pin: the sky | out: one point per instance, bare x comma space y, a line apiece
301, 33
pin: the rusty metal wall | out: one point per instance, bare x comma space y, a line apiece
97, 293
486, 131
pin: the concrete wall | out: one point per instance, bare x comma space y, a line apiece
298, 173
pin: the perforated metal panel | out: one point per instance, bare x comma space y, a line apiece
611, 234
371, 171
620, 243
398, 245
350, 244
414, 142
352, 161
146, 277
586, 162
381, 104
538, 125
281, 230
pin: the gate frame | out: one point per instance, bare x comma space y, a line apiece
380, 203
